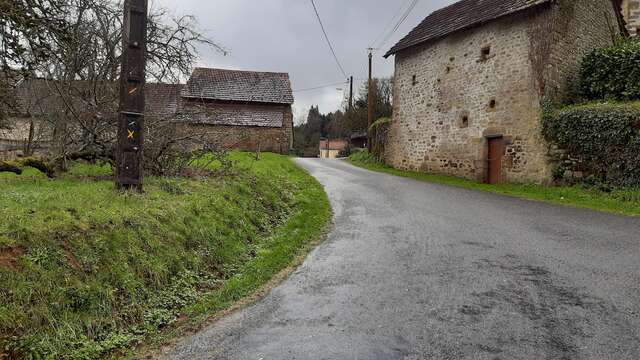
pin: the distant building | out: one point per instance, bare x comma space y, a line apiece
359, 140
333, 148
471, 79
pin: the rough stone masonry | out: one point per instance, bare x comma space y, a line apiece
631, 13
488, 77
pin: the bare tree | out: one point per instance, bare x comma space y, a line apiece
78, 51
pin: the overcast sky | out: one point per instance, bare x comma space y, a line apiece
284, 36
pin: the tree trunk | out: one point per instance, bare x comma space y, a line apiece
8, 167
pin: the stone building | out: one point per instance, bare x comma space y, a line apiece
234, 109
30, 118
38, 105
332, 148
471, 79
631, 14
248, 110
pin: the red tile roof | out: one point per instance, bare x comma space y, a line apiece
334, 144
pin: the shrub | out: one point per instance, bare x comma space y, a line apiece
612, 72
363, 156
604, 139
379, 131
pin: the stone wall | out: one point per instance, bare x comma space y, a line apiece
250, 138
577, 27
449, 99
631, 13
14, 139
452, 95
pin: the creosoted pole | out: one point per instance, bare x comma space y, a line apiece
370, 102
351, 93
132, 80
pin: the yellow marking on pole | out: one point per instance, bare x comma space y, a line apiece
133, 90
130, 135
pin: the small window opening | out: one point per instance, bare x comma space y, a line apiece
492, 104
485, 52
414, 80
448, 69
464, 123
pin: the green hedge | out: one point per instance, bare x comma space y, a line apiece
604, 138
379, 130
612, 72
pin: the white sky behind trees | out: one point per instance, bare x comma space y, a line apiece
284, 36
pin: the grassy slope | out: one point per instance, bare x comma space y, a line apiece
625, 202
85, 270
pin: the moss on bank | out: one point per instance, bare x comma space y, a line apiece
86, 271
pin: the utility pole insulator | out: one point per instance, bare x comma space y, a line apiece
132, 101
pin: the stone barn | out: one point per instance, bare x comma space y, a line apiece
470, 81
241, 110
249, 110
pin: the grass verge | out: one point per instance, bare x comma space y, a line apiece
87, 272
617, 201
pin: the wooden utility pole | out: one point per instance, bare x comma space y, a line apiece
370, 101
351, 93
132, 80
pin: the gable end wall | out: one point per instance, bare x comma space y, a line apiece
248, 138
454, 83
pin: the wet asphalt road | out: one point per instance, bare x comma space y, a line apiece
422, 271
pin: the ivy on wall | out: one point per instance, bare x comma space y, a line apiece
602, 138
612, 73
379, 131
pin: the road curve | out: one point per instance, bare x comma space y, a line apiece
422, 271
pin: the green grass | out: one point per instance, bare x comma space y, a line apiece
620, 201
87, 272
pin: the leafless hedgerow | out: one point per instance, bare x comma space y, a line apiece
174, 146
75, 46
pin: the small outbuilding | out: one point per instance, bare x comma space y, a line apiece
359, 140
333, 148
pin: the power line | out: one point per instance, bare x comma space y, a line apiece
319, 87
402, 19
328, 41
400, 22
388, 26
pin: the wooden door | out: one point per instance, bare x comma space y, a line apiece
494, 160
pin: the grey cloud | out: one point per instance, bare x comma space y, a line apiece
283, 35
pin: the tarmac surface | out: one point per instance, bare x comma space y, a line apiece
414, 270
